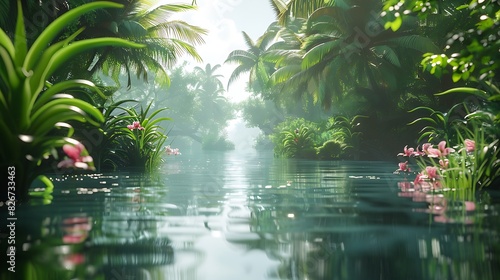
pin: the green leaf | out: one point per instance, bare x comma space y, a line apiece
396, 24
6, 43
62, 55
317, 53
456, 77
468, 90
20, 43
61, 87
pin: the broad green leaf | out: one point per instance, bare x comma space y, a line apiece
62, 55
61, 87
20, 42
7, 43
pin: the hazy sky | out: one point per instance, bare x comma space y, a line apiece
225, 19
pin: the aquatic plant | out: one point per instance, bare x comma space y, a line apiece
140, 144
35, 113
470, 165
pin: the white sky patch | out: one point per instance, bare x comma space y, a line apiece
224, 20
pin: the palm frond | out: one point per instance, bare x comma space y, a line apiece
416, 42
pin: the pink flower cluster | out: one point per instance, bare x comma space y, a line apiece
431, 173
171, 151
135, 125
76, 157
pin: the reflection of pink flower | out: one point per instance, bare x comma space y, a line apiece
135, 125
470, 145
418, 179
403, 166
76, 229
469, 206
171, 151
76, 159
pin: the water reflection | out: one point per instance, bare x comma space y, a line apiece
227, 216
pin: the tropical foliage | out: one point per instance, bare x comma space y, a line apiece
166, 40
470, 127
35, 113
140, 143
337, 55
336, 138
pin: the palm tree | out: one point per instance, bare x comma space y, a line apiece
339, 54
208, 80
139, 21
289, 9
166, 40
210, 92
252, 61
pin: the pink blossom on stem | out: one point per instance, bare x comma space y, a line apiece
171, 151
444, 163
418, 152
432, 172
135, 125
445, 151
425, 147
470, 145
75, 157
407, 152
441, 151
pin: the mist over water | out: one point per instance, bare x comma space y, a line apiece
242, 136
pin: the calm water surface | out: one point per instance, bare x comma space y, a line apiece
250, 216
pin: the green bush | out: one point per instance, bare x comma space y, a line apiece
331, 149
335, 138
295, 138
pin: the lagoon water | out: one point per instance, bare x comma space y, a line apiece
217, 216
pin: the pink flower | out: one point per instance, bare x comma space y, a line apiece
444, 151
407, 152
135, 125
171, 151
76, 159
470, 145
432, 172
418, 152
403, 166
425, 147
444, 163
441, 151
